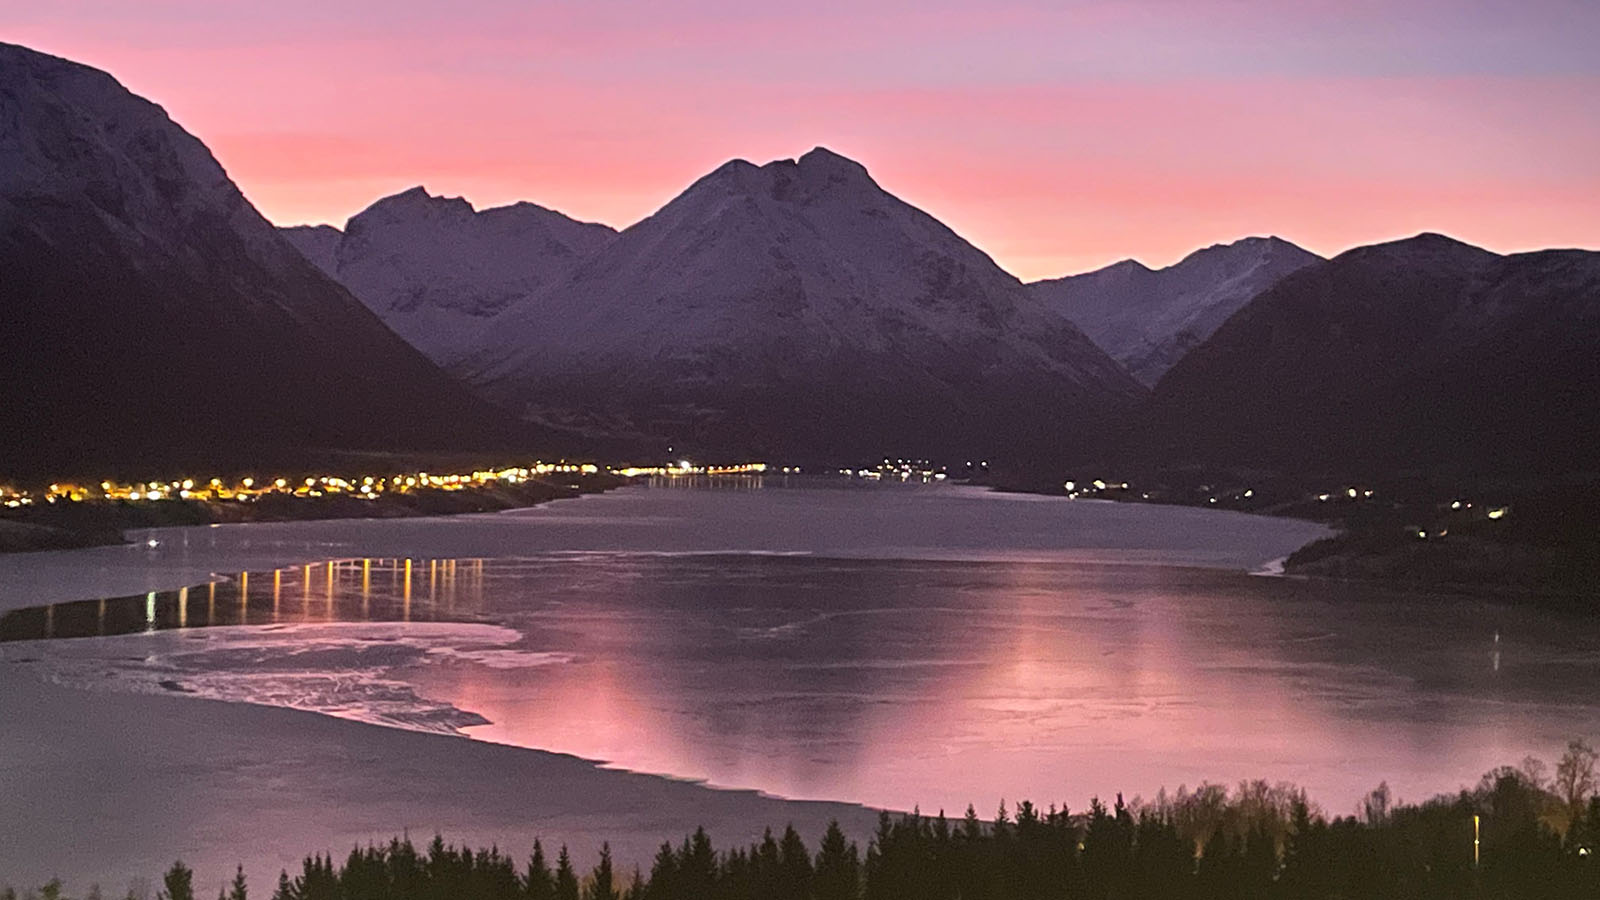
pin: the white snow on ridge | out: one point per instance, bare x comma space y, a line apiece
759, 274
1147, 319
152, 182
433, 268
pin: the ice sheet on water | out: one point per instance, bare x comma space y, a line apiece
351, 670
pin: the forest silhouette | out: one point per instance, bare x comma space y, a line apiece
1521, 832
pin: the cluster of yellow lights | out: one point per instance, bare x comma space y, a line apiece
14, 498
684, 467
371, 487
365, 487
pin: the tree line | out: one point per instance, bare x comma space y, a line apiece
1519, 833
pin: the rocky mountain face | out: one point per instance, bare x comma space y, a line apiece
317, 243
1424, 353
1147, 319
150, 312
797, 309
434, 269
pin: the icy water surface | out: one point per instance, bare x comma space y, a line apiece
916, 647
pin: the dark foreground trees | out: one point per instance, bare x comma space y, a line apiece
1538, 839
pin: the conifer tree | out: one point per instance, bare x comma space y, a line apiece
838, 871
735, 877
566, 877
539, 883
1163, 861
764, 862
285, 889
698, 866
664, 878
794, 867
178, 883
603, 880
971, 828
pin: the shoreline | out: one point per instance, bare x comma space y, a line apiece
104, 523
1383, 549
336, 783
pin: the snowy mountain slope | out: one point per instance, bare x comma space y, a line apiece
150, 311
433, 267
1147, 319
798, 308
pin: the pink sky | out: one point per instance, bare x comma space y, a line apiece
1058, 136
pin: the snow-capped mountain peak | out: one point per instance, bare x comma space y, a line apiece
798, 278
1147, 319
434, 268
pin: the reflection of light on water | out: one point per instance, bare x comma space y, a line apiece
601, 710
379, 599
946, 684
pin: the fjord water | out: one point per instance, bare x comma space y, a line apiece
901, 646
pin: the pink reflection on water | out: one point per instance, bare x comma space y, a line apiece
901, 684
905, 683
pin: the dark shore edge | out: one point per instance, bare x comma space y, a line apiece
1551, 562
99, 523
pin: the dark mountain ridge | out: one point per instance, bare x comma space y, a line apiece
152, 314
1424, 354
